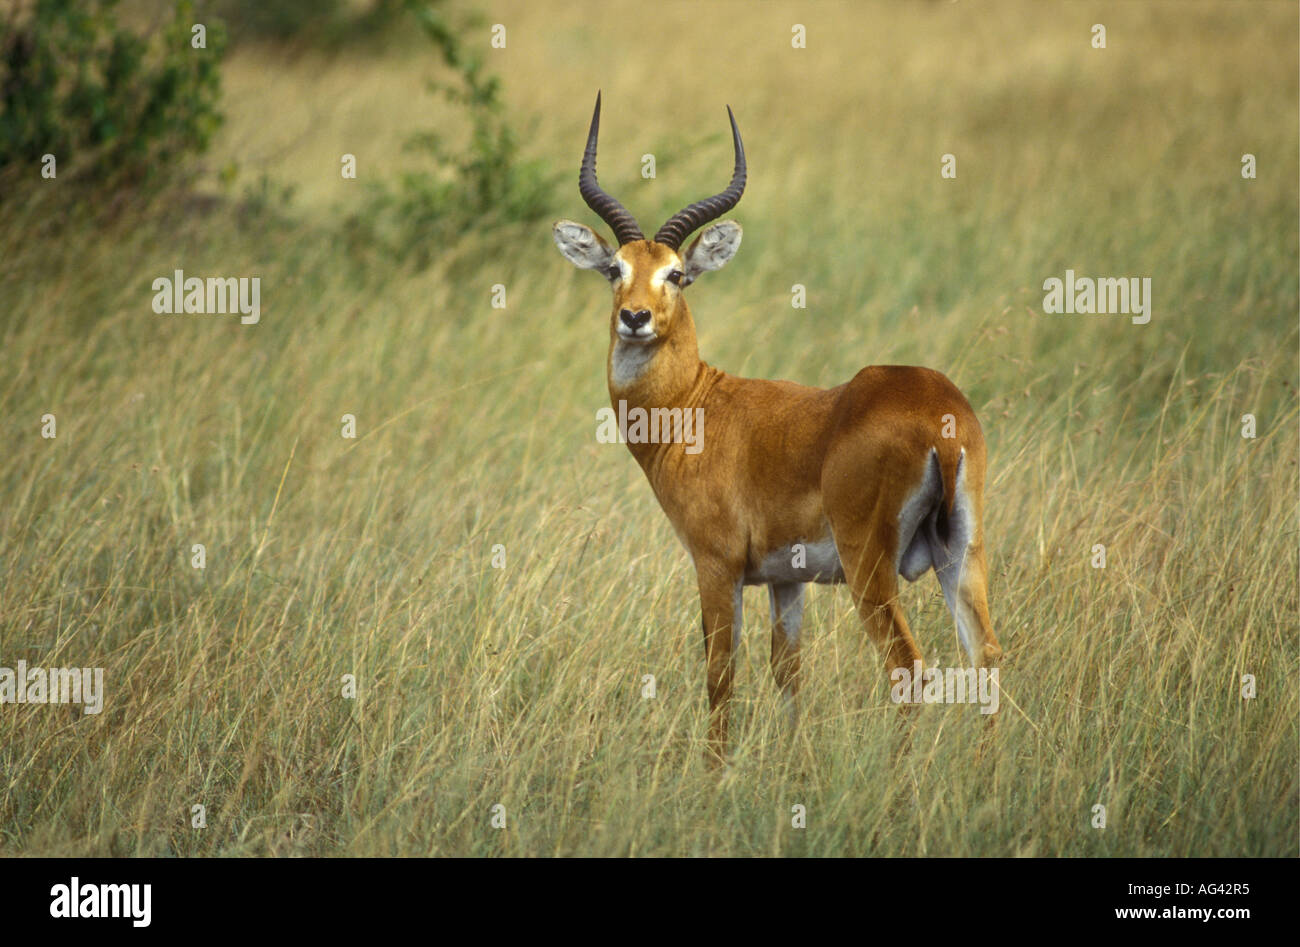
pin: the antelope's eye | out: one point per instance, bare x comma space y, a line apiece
675, 277
613, 271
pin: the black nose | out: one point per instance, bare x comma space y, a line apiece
634, 320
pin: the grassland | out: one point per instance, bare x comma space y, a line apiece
521, 686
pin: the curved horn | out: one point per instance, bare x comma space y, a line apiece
611, 211
700, 213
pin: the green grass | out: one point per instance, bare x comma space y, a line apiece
522, 686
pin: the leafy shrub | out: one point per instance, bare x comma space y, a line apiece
320, 21
111, 106
484, 183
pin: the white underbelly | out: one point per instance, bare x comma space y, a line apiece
816, 561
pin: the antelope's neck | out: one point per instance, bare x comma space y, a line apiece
665, 375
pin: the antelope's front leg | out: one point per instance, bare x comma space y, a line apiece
787, 617
720, 604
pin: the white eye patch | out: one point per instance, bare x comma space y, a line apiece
660, 276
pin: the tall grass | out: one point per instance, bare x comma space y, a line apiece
521, 686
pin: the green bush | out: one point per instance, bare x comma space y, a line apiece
483, 183
113, 107
318, 21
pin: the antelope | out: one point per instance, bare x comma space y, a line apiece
855, 484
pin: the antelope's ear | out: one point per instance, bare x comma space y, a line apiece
582, 246
712, 250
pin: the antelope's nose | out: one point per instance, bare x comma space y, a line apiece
634, 320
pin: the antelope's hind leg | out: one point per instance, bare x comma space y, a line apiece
863, 502
956, 549
867, 555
